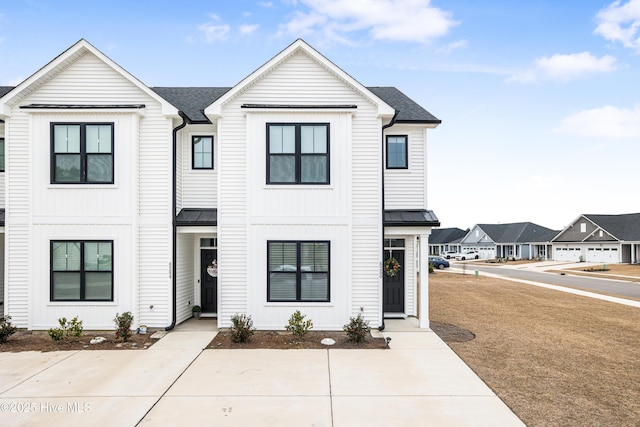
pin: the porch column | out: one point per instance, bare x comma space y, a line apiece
423, 291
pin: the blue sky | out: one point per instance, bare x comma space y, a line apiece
539, 101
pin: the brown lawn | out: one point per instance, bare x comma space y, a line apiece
556, 359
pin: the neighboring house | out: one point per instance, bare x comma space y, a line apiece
522, 240
263, 198
600, 238
445, 239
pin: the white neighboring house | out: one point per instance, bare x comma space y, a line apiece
519, 240
609, 239
263, 198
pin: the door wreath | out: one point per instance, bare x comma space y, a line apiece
391, 267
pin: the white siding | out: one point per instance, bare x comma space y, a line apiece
404, 188
185, 297
135, 210
2, 269
2, 174
199, 188
347, 211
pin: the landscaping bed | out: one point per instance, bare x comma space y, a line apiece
281, 340
24, 340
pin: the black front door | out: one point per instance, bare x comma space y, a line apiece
209, 280
393, 287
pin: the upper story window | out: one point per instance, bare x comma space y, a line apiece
298, 153
1, 154
202, 152
81, 270
82, 153
298, 271
397, 157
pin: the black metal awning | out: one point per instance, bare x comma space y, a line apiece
197, 217
410, 218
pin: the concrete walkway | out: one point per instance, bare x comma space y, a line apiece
419, 381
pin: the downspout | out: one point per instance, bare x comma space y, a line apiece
174, 193
388, 125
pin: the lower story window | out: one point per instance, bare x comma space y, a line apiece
81, 270
298, 271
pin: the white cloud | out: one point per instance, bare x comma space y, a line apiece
565, 67
460, 44
248, 29
387, 20
214, 32
266, 4
620, 22
607, 122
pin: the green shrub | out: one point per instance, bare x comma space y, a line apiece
430, 267
67, 329
123, 325
297, 325
357, 329
242, 328
6, 328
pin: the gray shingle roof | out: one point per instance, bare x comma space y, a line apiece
193, 100
408, 218
408, 110
519, 232
446, 235
624, 227
5, 89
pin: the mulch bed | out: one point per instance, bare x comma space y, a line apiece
24, 340
286, 341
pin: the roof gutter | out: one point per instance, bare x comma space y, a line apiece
174, 193
388, 125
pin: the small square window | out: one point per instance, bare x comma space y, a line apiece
202, 152
397, 153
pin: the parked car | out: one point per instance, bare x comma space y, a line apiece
438, 262
468, 255
450, 254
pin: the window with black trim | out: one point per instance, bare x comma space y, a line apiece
81, 270
298, 271
202, 152
397, 153
297, 153
1, 154
82, 153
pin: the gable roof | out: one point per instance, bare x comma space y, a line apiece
519, 232
445, 235
623, 227
300, 46
408, 110
61, 62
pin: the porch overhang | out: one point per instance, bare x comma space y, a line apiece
193, 217
410, 218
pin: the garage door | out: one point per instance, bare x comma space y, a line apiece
604, 255
487, 253
567, 254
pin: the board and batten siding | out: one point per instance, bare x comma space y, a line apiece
252, 212
136, 209
405, 188
198, 187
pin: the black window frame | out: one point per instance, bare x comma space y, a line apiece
193, 153
82, 271
299, 272
406, 151
2, 155
83, 153
298, 154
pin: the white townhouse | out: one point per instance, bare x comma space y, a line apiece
287, 191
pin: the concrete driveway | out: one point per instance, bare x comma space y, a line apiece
419, 381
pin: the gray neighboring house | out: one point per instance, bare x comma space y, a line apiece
445, 239
521, 240
600, 238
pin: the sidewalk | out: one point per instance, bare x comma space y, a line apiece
419, 381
